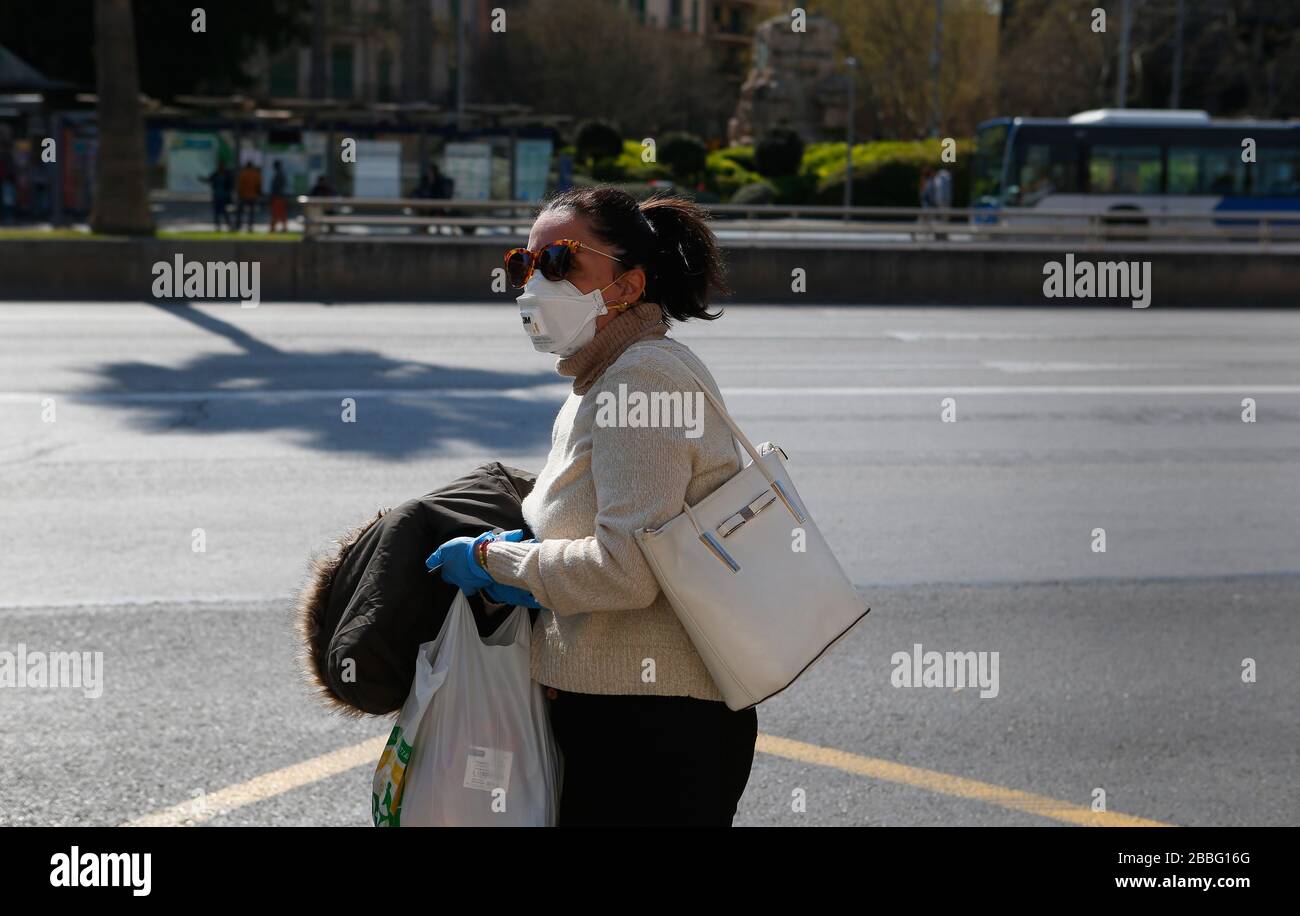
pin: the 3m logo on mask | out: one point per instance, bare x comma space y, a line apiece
558, 317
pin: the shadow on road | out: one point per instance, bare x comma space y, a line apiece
263, 388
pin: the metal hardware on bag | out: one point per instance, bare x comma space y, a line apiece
795, 509
730, 525
711, 542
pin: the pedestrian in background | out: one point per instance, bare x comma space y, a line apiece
8, 190
279, 198
936, 194
434, 185
943, 197
322, 188
222, 181
249, 190
927, 188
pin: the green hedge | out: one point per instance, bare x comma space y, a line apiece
726, 174
636, 170
885, 173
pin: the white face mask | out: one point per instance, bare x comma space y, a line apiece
558, 318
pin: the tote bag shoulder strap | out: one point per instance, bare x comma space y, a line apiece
736, 431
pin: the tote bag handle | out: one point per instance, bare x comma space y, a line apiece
740, 437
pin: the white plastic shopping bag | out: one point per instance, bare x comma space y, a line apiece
473, 745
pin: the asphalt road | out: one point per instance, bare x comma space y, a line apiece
1119, 670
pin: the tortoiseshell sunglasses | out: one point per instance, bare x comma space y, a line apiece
554, 260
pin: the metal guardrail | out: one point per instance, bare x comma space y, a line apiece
1245, 230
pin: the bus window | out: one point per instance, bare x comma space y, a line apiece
1124, 170
1044, 169
1277, 174
1206, 170
1184, 171
986, 182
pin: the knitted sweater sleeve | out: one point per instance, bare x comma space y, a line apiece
641, 475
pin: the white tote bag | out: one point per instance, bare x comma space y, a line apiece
473, 745
752, 580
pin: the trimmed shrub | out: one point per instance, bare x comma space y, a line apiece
725, 175
607, 169
635, 168
743, 156
794, 189
685, 154
598, 139
779, 153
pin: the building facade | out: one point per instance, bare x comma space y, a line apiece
410, 52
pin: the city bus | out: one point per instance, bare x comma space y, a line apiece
1134, 166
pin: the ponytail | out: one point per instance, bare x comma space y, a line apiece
668, 237
685, 265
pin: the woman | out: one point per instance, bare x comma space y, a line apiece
645, 736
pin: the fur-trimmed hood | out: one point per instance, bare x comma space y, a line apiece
369, 603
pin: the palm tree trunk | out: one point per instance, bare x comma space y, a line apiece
121, 186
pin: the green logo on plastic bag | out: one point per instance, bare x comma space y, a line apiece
390, 780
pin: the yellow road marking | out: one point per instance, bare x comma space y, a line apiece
945, 784
268, 785
367, 753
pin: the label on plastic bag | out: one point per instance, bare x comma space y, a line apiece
487, 769
390, 781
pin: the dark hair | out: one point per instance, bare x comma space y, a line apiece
668, 237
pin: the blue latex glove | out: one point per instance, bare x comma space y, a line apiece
509, 594
455, 560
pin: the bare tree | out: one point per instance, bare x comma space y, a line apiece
1051, 63
894, 42
121, 204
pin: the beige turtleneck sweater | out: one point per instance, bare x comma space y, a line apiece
607, 627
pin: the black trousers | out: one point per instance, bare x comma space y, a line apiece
220, 218
249, 207
650, 760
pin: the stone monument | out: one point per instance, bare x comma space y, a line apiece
795, 80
